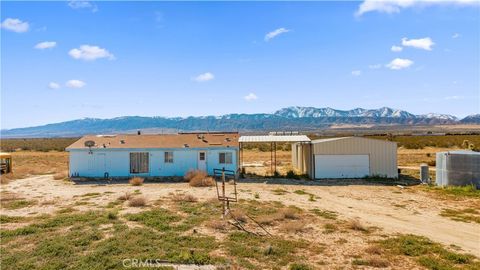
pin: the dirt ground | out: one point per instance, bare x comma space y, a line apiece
392, 209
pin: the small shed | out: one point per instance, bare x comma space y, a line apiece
346, 157
458, 168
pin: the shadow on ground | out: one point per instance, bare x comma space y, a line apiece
404, 180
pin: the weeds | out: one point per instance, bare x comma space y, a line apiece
136, 181
464, 215
324, 213
429, 254
184, 198
138, 201
198, 178
279, 191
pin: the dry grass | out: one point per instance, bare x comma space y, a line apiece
239, 215
218, 225
282, 214
136, 181
177, 197
375, 262
374, 250
357, 226
293, 227
138, 201
125, 197
60, 175
198, 178
8, 196
26, 163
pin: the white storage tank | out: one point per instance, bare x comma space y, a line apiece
458, 168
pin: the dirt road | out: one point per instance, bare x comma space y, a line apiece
390, 208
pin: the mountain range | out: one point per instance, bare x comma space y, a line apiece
290, 118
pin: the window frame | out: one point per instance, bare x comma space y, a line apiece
225, 160
168, 157
141, 162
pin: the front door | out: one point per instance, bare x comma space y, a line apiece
202, 161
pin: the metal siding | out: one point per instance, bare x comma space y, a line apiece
117, 162
383, 154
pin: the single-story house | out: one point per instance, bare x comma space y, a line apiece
152, 155
346, 157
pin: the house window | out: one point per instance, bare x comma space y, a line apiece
202, 156
168, 157
139, 162
225, 158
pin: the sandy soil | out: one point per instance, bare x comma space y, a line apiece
393, 209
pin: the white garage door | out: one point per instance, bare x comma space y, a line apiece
341, 166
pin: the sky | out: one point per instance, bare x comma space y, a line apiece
68, 60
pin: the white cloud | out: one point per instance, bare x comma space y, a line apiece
75, 84
375, 66
15, 25
356, 72
456, 35
204, 77
396, 48
53, 85
250, 97
399, 63
421, 43
78, 4
454, 97
45, 45
90, 53
275, 33
395, 6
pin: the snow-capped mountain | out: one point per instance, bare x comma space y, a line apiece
299, 112
291, 118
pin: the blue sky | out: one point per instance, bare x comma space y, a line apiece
68, 60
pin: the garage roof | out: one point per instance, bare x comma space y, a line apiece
274, 138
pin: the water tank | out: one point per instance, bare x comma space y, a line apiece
424, 174
458, 168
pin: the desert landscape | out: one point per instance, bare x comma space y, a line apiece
49, 221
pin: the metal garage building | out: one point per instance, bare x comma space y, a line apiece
346, 157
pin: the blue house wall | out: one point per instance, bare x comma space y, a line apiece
116, 162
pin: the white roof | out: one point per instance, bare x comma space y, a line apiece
274, 138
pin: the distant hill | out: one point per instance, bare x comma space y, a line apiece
471, 119
291, 118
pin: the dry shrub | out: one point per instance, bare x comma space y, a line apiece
4, 180
47, 202
239, 215
198, 178
266, 219
357, 226
136, 181
137, 201
60, 176
293, 227
289, 213
184, 198
374, 250
377, 262
125, 197
8, 196
218, 225
285, 213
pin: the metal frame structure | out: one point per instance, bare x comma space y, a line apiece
222, 174
272, 138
